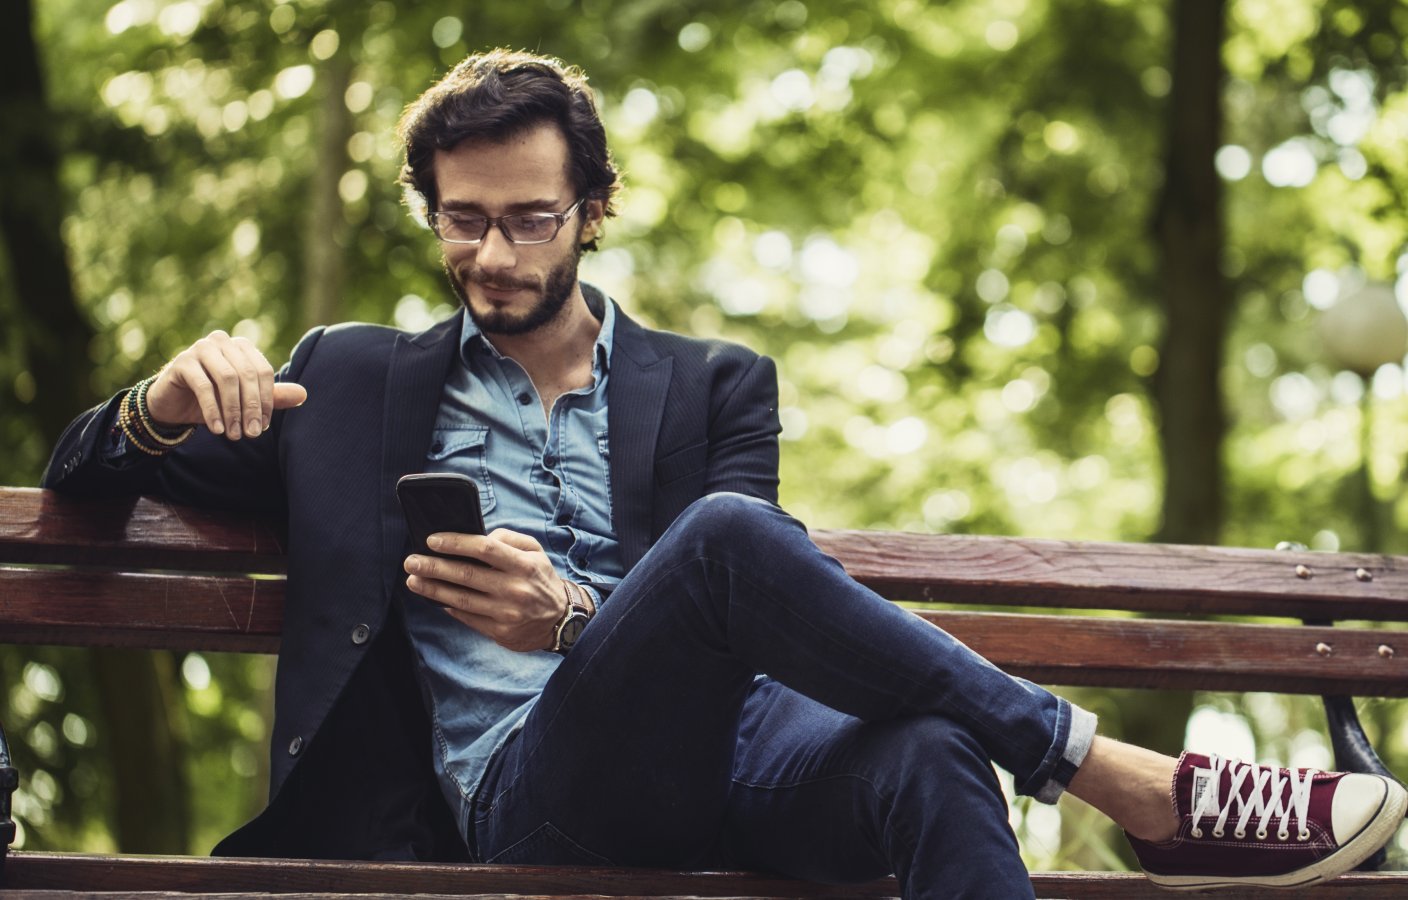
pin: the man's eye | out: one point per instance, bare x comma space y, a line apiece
531, 224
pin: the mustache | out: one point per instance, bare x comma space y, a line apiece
470, 275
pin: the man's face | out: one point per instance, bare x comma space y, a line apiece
513, 288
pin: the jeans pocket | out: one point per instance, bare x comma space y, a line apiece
546, 846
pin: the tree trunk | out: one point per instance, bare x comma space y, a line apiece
1197, 300
325, 230
54, 338
144, 726
54, 335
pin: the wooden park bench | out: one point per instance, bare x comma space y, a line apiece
141, 573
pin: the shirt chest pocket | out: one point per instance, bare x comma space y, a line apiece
463, 449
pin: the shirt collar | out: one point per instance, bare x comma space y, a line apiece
471, 338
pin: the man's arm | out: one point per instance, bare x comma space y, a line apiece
743, 435
217, 382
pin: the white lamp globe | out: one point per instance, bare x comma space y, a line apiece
1365, 329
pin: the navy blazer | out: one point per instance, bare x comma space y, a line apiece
351, 772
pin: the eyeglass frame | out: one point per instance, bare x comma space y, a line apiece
498, 222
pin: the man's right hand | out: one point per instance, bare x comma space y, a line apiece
223, 383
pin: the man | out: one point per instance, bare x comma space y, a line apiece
734, 700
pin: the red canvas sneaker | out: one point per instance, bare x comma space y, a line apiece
1243, 824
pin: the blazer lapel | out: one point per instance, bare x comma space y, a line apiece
636, 391
415, 379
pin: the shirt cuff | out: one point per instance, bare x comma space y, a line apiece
593, 593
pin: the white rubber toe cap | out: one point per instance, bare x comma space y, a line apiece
1358, 799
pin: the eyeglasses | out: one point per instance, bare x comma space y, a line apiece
519, 228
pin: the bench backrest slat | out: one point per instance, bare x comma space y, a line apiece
212, 612
42, 527
146, 610
1137, 577
71, 572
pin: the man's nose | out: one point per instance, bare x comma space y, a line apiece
496, 252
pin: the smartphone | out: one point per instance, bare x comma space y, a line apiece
439, 501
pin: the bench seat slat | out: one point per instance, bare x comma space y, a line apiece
81, 872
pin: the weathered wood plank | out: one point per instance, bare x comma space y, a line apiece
1141, 577
126, 875
233, 614
105, 609
44, 527
1157, 653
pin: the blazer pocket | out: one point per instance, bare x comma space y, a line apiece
681, 463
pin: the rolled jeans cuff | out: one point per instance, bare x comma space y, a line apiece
1078, 739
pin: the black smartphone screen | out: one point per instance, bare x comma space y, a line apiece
436, 502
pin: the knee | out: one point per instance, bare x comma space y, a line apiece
726, 519
938, 759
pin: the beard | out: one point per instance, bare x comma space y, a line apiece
553, 293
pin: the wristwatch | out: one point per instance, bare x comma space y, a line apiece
574, 619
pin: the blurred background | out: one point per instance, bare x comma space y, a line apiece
1074, 269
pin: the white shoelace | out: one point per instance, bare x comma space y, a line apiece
1275, 793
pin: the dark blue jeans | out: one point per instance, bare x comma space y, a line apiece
741, 701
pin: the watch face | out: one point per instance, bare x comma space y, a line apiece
572, 628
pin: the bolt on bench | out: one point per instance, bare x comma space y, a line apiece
146, 574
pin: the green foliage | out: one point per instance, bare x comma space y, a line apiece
933, 215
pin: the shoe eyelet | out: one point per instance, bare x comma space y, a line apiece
1240, 833
1196, 832
1283, 835
1302, 835
1261, 835
1218, 832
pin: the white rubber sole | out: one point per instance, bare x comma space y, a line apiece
1370, 838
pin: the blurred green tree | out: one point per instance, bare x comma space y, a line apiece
949, 223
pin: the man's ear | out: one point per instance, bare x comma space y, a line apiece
593, 211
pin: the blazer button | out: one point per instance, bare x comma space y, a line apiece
360, 634
294, 746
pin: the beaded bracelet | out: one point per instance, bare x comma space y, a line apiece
127, 422
137, 424
163, 436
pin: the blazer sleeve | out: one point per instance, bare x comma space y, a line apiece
743, 434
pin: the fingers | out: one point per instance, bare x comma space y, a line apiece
224, 383
287, 395
256, 384
508, 622
503, 549
516, 540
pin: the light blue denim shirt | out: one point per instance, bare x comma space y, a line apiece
545, 476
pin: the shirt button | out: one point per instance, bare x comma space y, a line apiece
549, 460
525, 398
580, 562
294, 746
437, 447
563, 518
360, 634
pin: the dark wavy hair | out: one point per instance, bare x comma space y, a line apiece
497, 95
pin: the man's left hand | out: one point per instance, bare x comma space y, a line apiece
515, 598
